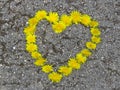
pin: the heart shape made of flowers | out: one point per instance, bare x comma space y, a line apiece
59, 24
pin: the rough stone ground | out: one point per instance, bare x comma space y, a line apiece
102, 70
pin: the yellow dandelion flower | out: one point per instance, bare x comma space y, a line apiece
47, 68
58, 27
65, 70
55, 77
53, 17
80, 58
40, 62
31, 38
95, 31
29, 30
85, 19
66, 19
96, 39
91, 45
41, 14
94, 23
33, 21
76, 16
86, 52
73, 64
31, 47
36, 55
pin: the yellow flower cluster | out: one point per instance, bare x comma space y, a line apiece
59, 25
31, 45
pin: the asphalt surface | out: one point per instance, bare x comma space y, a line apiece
100, 72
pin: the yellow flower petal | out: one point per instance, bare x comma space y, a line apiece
29, 30
86, 52
36, 55
40, 62
80, 58
58, 27
94, 23
85, 19
66, 19
91, 45
55, 77
96, 39
31, 38
47, 68
73, 64
95, 31
41, 14
65, 70
31, 47
33, 21
76, 16
53, 17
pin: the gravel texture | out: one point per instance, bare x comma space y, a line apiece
100, 72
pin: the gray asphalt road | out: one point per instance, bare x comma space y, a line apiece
102, 70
